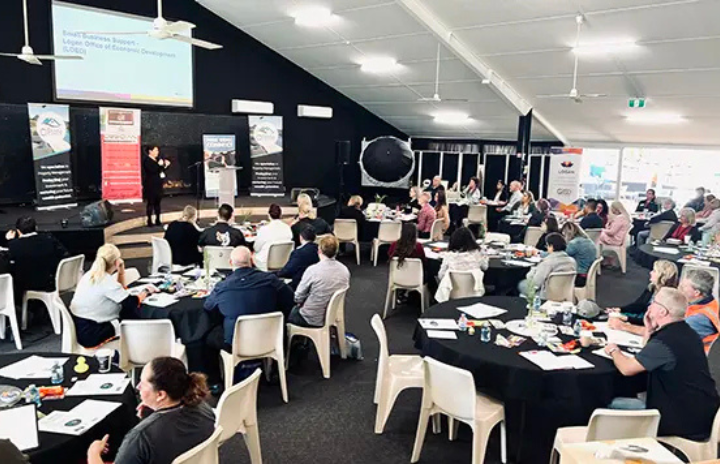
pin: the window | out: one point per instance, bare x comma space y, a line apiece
599, 173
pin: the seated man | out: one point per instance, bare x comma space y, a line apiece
591, 219
318, 284
244, 292
668, 214
426, 216
222, 233
702, 310
433, 188
649, 203
273, 232
679, 382
35, 257
301, 258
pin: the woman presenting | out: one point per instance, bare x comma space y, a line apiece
153, 169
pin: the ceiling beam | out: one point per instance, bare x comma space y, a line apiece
505, 91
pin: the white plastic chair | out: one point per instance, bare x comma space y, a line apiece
204, 453
451, 391
69, 343
593, 234
408, 277
659, 229
477, 214
560, 286
132, 275
346, 231
608, 424
67, 277
258, 336
620, 251
161, 254
395, 374
320, 336
463, 285
143, 341
710, 269
236, 412
697, 451
532, 235
218, 257
279, 254
7, 310
589, 291
388, 232
491, 237
436, 231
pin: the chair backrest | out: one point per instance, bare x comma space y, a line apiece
713, 271
450, 388
593, 234
463, 284
143, 341
218, 257
131, 275
336, 310
409, 275
532, 235
162, 254
436, 231
477, 214
279, 254
389, 231
345, 230
204, 453
319, 238
384, 354
659, 229
7, 298
69, 342
560, 286
591, 281
613, 424
497, 237
238, 407
69, 272
258, 335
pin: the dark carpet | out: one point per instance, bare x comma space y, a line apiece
332, 421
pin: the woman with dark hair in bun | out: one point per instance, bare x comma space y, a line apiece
175, 416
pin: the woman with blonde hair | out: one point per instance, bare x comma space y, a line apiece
101, 300
307, 216
616, 231
581, 249
183, 236
685, 227
353, 210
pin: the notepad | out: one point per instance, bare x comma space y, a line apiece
100, 384
666, 250
442, 334
32, 367
79, 419
160, 300
482, 311
510, 262
438, 324
19, 425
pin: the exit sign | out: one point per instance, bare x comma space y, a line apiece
636, 103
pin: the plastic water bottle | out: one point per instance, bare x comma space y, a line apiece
33, 395
57, 375
462, 322
577, 328
485, 333
536, 303
567, 318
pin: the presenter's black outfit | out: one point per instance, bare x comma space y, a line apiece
152, 188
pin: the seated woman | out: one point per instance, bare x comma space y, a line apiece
712, 225
407, 246
101, 300
602, 211
414, 204
527, 205
473, 192
175, 416
549, 226
707, 209
463, 254
183, 236
308, 216
441, 213
539, 213
581, 249
664, 274
557, 260
685, 227
616, 231
500, 193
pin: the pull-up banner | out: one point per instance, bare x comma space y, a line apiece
564, 182
266, 154
218, 153
50, 138
120, 152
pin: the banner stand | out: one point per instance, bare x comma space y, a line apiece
266, 155
120, 154
218, 156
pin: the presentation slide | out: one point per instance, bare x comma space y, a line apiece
118, 68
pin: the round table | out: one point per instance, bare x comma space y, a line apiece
646, 255
56, 448
537, 402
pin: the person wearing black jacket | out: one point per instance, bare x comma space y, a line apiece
668, 215
34, 257
222, 233
353, 210
301, 258
153, 173
649, 203
664, 274
183, 236
591, 219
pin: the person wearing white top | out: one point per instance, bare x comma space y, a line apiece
516, 196
101, 299
472, 192
273, 232
463, 254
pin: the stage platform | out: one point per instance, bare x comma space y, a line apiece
128, 228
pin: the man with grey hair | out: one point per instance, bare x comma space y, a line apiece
702, 310
667, 215
679, 382
516, 196
433, 188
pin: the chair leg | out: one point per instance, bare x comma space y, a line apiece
420, 434
390, 294
54, 314
437, 423
375, 249
2, 326
622, 255
252, 441
452, 428
24, 311
422, 299
357, 251
388, 397
342, 344
503, 443
228, 369
554, 456
15, 330
323, 350
283, 381
480, 439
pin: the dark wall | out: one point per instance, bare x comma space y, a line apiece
243, 69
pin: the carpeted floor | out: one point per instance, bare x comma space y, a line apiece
331, 421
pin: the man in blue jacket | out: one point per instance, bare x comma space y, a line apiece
303, 257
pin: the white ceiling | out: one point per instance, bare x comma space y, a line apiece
527, 43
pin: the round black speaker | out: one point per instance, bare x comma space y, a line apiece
387, 162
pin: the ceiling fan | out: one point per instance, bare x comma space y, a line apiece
28, 55
162, 30
574, 95
436, 96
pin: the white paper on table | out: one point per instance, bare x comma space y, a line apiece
440, 245
572, 361
534, 259
517, 223
601, 352
194, 273
78, 420
151, 280
429, 254
667, 250
545, 360
160, 300
32, 367
100, 384
438, 324
135, 291
181, 268
443, 334
19, 425
423, 240
482, 311
619, 337
511, 262
656, 453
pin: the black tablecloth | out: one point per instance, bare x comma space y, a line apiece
55, 448
543, 400
515, 231
646, 255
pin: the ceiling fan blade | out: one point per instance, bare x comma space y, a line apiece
59, 57
197, 42
429, 99
30, 59
558, 95
594, 95
462, 100
179, 26
14, 55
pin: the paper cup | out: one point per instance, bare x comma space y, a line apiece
585, 338
104, 357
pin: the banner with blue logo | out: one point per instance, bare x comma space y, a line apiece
564, 181
50, 138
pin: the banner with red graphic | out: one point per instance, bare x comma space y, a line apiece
120, 149
564, 182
